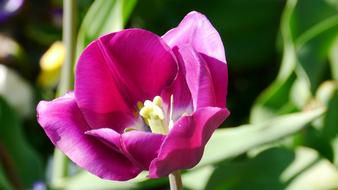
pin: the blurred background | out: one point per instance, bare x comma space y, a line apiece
283, 70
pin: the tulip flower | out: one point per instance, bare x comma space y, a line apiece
142, 102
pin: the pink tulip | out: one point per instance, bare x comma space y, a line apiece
142, 102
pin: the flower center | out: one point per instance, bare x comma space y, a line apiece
153, 115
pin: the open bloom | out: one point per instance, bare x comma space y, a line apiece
142, 102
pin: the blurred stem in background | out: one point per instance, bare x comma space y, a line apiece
175, 181
60, 161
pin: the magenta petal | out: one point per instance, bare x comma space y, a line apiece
107, 136
219, 73
118, 70
196, 30
95, 88
198, 77
116, 120
182, 100
64, 124
184, 145
143, 64
139, 63
140, 147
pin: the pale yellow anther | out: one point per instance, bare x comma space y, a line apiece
148, 103
128, 129
139, 105
158, 101
157, 111
146, 111
153, 115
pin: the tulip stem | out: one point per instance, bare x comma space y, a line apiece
60, 161
175, 181
69, 40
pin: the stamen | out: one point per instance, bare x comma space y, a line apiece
139, 105
128, 129
153, 115
158, 101
171, 122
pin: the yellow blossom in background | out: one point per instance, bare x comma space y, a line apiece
50, 64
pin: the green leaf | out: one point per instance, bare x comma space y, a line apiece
334, 60
24, 159
313, 48
327, 94
308, 31
4, 183
86, 181
197, 178
276, 168
103, 17
230, 142
276, 95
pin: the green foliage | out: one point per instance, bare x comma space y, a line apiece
279, 168
308, 31
103, 17
241, 139
4, 183
21, 161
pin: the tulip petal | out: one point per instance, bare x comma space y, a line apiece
198, 77
181, 96
95, 88
196, 30
142, 146
219, 73
131, 65
139, 146
108, 136
118, 70
184, 145
64, 124
141, 62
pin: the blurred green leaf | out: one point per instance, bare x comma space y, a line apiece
334, 60
277, 94
86, 181
308, 31
4, 184
25, 160
276, 168
103, 17
313, 48
236, 141
272, 101
197, 179
327, 125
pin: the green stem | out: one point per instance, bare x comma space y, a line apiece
175, 181
60, 163
69, 40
